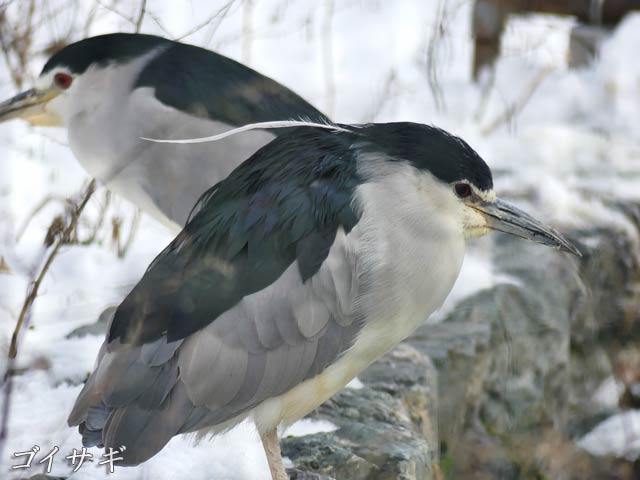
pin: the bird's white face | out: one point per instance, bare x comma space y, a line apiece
459, 206
60, 95
474, 222
64, 83
45, 104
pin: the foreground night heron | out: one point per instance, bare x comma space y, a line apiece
112, 90
314, 257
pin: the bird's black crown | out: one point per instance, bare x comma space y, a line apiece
114, 47
447, 157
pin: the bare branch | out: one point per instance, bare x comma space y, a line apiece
437, 37
247, 31
513, 109
219, 14
32, 292
160, 25
486, 88
383, 98
117, 12
25, 313
96, 226
143, 8
327, 56
43, 203
121, 248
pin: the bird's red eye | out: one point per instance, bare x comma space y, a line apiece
63, 80
463, 190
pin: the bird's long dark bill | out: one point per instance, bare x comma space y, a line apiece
26, 104
506, 218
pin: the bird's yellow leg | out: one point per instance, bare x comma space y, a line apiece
271, 446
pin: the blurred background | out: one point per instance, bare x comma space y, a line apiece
532, 367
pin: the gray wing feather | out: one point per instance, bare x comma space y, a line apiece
140, 396
145, 432
308, 337
88, 396
247, 393
275, 365
266, 330
154, 395
310, 313
158, 352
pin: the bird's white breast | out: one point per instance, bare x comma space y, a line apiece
409, 248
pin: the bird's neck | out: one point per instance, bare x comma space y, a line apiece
413, 251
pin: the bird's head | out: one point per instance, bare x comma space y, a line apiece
81, 76
461, 180
42, 105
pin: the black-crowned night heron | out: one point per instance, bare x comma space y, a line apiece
112, 90
314, 257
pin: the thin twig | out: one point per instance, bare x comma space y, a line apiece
383, 97
89, 20
117, 12
327, 56
96, 226
433, 61
516, 107
25, 314
32, 292
160, 25
143, 8
122, 249
247, 31
485, 93
220, 14
43, 203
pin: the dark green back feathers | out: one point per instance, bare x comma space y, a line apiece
284, 204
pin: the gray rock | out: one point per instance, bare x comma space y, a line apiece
295, 474
386, 429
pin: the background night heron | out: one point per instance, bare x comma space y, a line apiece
314, 257
111, 90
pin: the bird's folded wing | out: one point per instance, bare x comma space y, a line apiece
271, 341
195, 80
253, 297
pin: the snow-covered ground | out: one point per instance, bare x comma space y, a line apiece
578, 132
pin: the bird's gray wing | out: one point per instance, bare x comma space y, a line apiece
254, 296
271, 341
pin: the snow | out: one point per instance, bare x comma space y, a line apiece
355, 384
574, 144
618, 436
308, 426
608, 393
